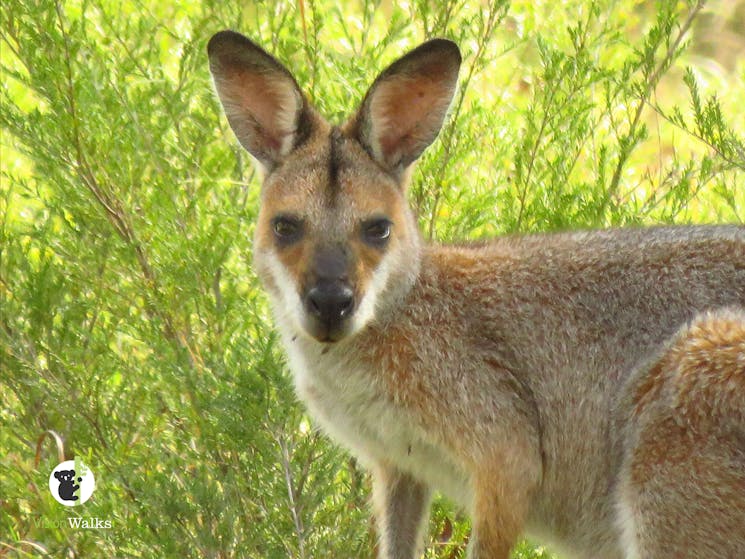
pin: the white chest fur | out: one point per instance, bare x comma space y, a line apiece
344, 396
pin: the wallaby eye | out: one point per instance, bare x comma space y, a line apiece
287, 229
376, 231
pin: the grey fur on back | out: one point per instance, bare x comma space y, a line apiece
572, 315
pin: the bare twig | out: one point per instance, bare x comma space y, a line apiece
294, 506
58, 441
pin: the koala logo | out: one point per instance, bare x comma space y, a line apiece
71, 483
67, 487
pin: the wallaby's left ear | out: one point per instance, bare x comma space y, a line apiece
405, 107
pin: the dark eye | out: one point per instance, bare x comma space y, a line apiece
376, 231
287, 229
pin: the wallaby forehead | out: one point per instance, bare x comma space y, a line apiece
331, 178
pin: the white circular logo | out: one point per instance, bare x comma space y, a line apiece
71, 483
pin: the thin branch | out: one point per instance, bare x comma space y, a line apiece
111, 205
738, 163
627, 146
447, 141
294, 507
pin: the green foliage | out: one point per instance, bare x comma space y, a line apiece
131, 323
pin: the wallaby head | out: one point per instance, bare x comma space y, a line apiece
335, 241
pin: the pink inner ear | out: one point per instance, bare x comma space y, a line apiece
267, 102
407, 110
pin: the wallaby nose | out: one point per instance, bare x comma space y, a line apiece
330, 302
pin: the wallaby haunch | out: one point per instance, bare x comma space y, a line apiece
586, 388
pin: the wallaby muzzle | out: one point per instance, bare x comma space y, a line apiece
329, 297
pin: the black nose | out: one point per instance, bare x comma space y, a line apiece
330, 302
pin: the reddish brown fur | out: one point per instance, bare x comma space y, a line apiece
685, 450
702, 375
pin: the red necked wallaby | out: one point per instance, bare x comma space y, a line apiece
586, 388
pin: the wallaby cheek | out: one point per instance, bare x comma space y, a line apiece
280, 269
280, 283
295, 261
367, 260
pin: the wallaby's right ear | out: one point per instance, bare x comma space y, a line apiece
263, 103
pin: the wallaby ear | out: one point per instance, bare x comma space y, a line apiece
405, 107
263, 103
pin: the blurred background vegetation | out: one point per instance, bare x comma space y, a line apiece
132, 330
